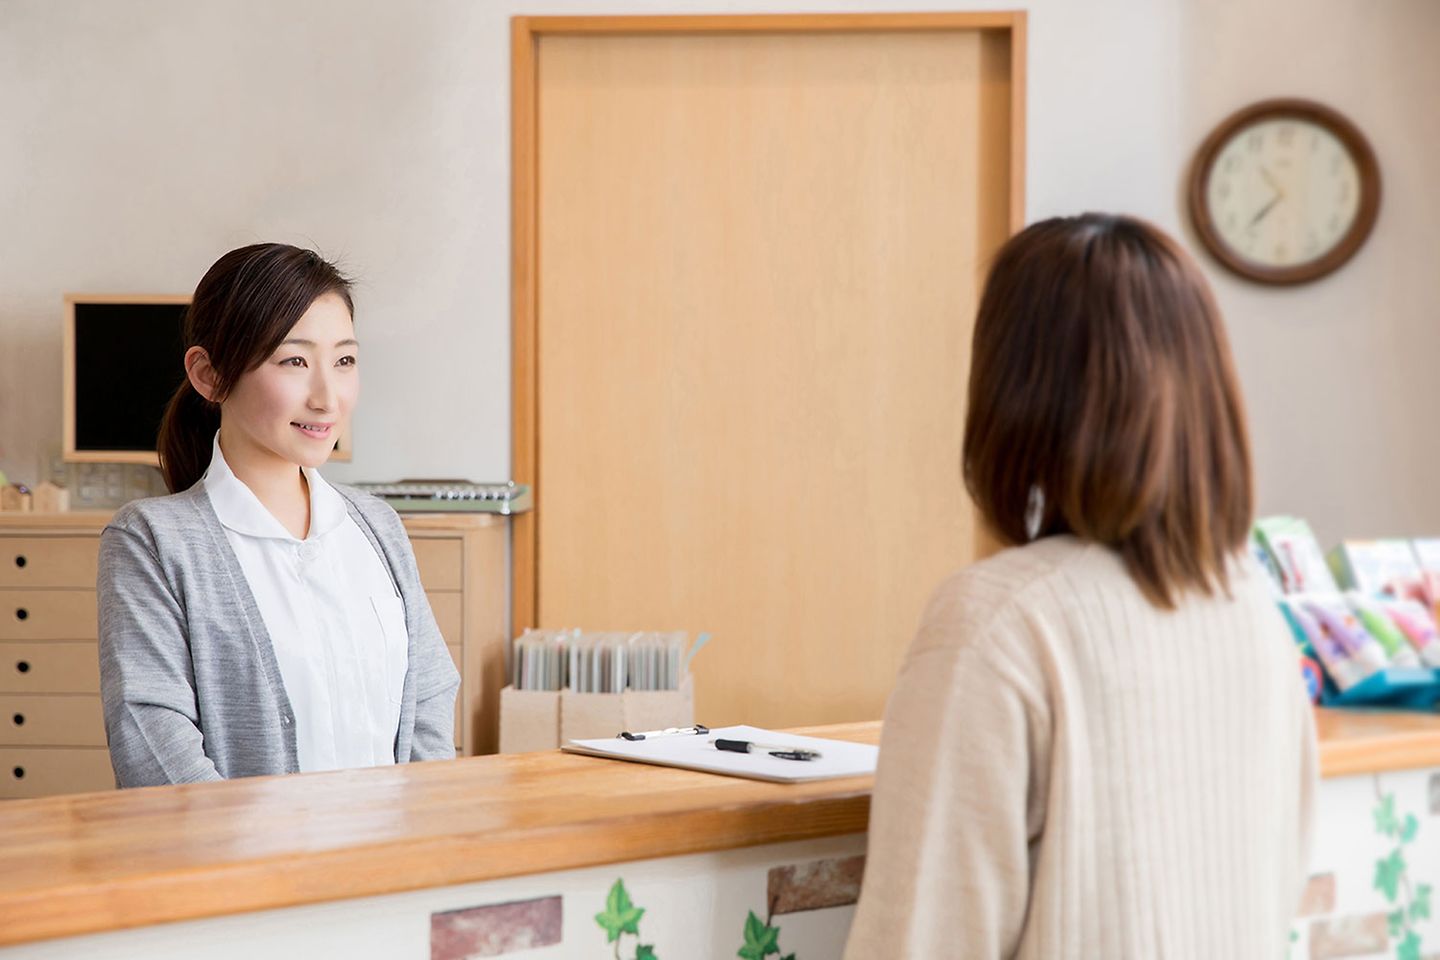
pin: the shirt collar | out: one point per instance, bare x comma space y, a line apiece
240, 510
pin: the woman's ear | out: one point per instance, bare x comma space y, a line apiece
201, 375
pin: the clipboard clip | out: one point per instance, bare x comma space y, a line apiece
697, 730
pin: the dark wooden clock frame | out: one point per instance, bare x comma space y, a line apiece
1346, 132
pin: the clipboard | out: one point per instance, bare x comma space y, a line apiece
838, 758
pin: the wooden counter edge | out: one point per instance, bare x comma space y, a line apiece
424, 863
1354, 742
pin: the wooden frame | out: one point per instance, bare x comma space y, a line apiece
340, 454
1307, 110
526, 33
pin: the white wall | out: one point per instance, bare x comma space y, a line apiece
138, 141
1341, 375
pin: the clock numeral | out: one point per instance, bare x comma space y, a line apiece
1336, 161
1255, 141
1314, 142
1223, 190
1345, 191
1286, 135
1230, 220
1282, 252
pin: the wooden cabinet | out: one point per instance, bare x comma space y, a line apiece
52, 736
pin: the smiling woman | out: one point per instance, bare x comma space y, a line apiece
261, 620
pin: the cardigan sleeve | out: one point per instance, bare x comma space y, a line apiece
436, 680
957, 801
147, 682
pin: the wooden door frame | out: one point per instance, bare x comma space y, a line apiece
525, 35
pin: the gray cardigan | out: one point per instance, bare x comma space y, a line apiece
188, 676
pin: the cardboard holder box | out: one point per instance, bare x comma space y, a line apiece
533, 720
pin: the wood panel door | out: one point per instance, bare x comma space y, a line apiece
746, 271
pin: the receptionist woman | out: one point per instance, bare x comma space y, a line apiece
261, 620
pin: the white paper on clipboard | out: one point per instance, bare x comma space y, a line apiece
838, 758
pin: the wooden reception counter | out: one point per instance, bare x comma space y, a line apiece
97, 862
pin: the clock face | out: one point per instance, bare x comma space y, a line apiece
1283, 192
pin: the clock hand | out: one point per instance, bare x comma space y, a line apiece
1264, 210
1271, 180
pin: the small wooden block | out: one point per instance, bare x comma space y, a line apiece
51, 498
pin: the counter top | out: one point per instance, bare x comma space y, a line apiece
1374, 741
107, 861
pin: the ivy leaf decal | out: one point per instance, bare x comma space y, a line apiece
760, 940
1397, 922
1387, 874
645, 951
1385, 816
620, 915
1409, 948
1407, 833
1420, 905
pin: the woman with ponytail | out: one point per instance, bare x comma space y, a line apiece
261, 620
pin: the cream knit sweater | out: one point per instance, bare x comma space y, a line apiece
1068, 772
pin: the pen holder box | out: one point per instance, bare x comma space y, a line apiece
543, 719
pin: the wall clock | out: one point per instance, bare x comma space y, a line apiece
1284, 191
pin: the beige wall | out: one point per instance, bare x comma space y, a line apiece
138, 141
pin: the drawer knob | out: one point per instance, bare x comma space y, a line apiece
20, 561
22, 614
19, 719
19, 773
23, 666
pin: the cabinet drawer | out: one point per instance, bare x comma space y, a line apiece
51, 721
439, 563
48, 615
47, 771
48, 561
49, 667
447, 608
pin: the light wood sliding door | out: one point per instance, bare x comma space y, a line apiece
748, 252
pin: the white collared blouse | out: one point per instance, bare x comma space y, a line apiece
334, 615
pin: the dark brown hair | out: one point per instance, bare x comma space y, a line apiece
1101, 377
241, 311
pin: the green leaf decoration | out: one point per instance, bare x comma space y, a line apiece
1407, 833
1397, 922
1409, 948
1385, 816
760, 940
1420, 905
788, 956
620, 915
1387, 874
645, 951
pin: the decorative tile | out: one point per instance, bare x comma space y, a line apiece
495, 929
1352, 936
815, 885
1319, 895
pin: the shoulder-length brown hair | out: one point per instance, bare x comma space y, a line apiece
1103, 403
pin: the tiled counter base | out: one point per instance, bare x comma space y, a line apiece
1376, 869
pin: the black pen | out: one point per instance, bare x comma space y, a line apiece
773, 749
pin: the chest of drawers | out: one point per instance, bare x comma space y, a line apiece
52, 736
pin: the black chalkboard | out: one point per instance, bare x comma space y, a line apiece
129, 359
